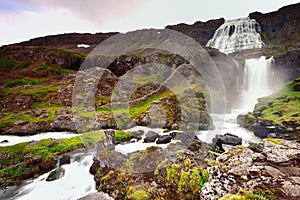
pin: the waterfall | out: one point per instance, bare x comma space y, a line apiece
257, 74
235, 35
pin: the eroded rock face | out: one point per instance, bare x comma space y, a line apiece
175, 172
275, 168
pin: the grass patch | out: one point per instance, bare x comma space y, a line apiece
35, 93
74, 54
281, 106
24, 65
121, 135
18, 82
7, 64
57, 69
244, 195
10, 118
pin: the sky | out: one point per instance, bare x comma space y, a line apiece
22, 20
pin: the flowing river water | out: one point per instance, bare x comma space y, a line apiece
77, 182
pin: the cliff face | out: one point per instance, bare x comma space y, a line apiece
69, 41
200, 31
280, 27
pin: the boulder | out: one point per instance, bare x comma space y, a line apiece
56, 174
260, 130
64, 159
151, 136
97, 196
187, 136
228, 139
164, 139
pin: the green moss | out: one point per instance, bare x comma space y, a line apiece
186, 178
37, 94
281, 106
274, 140
18, 82
67, 52
134, 193
121, 135
7, 64
24, 65
245, 195
57, 69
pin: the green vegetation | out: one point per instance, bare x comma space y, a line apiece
245, 195
186, 178
66, 52
57, 69
22, 154
36, 93
24, 65
274, 140
17, 82
10, 118
282, 106
134, 193
7, 64
121, 135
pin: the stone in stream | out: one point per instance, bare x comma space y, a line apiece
227, 138
97, 196
4, 141
56, 174
151, 136
165, 139
64, 159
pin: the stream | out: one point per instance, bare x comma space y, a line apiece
77, 182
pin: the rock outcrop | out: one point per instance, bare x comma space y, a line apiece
275, 169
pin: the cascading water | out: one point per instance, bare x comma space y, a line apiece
256, 81
235, 35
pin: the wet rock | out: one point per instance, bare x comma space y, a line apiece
4, 141
95, 166
272, 135
260, 130
64, 159
97, 196
164, 139
23, 128
56, 174
137, 134
46, 165
151, 136
187, 137
228, 139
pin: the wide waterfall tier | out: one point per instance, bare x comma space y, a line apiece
257, 81
236, 35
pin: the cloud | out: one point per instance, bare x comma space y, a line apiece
96, 11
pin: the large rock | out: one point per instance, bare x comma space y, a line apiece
165, 139
151, 136
267, 169
56, 174
229, 139
97, 196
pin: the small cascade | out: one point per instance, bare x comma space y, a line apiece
257, 74
235, 35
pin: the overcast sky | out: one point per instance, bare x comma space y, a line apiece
25, 19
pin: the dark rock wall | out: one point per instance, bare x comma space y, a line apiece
200, 31
280, 27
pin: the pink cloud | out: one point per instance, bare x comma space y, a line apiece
96, 11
